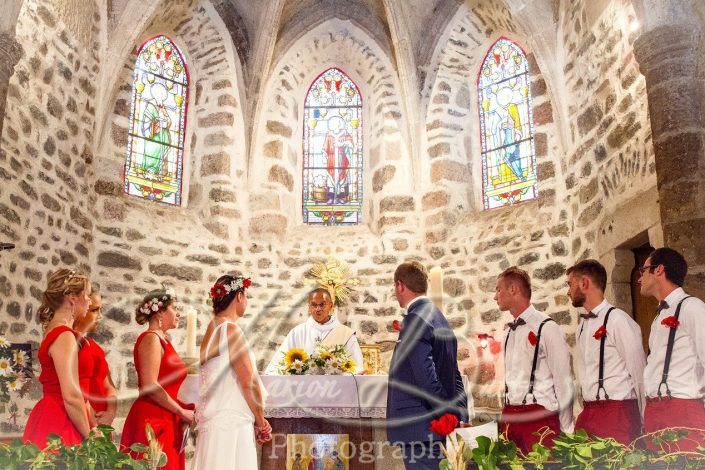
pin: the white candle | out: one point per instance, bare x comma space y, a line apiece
436, 286
191, 333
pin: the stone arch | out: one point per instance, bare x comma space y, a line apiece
214, 156
385, 156
452, 187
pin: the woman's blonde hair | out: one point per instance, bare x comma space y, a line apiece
60, 283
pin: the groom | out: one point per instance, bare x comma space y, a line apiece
424, 380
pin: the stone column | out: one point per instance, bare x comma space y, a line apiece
10, 53
669, 57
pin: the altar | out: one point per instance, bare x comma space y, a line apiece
324, 418
331, 417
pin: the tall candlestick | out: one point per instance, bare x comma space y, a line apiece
191, 333
436, 286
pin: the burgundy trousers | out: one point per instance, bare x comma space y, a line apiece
618, 419
662, 413
522, 423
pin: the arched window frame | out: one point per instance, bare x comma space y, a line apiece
137, 182
316, 196
512, 192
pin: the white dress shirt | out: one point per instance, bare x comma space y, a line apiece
306, 336
624, 356
553, 384
686, 376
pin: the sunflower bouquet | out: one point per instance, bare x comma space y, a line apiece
295, 362
325, 360
331, 361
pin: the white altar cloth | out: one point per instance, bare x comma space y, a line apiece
318, 396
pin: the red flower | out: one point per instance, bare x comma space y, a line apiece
671, 322
495, 347
396, 325
600, 332
533, 339
246, 283
444, 425
217, 291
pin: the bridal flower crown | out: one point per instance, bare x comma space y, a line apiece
220, 290
153, 305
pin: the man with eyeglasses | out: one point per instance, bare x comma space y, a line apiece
322, 328
674, 378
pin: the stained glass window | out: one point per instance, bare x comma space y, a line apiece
155, 148
332, 169
507, 127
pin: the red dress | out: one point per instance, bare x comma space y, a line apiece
167, 426
49, 415
92, 372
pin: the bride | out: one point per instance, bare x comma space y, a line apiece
230, 415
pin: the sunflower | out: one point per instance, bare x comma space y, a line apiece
325, 355
295, 354
349, 365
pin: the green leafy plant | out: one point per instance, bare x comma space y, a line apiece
97, 452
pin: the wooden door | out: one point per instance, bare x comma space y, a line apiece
643, 308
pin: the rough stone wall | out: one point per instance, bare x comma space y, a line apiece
609, 161
141, 245
243, 210
278, 155
471, 244
45, 166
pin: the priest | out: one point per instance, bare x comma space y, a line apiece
320, 328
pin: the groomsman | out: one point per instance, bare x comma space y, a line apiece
611, 359
538, 385
674, 377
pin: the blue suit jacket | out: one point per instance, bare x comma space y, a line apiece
424, 380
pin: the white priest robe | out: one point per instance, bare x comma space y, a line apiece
307, 336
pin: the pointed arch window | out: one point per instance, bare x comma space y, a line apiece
332, 151
155, 148
507, 127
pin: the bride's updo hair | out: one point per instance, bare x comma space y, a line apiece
60, 283
153, 303
226, 289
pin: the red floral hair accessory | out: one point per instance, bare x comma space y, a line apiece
671, 322
220, 290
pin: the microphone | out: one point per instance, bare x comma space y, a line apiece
6, 246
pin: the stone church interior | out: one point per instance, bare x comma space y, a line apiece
165, 143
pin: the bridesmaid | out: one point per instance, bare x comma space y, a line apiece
93, 372
160, 372
62, 409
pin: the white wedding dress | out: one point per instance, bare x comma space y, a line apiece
225, 424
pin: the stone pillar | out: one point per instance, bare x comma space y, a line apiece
10, 53
669, 57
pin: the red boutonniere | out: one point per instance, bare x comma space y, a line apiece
533, 339
444, 425
396, 324
671, 322
600, 332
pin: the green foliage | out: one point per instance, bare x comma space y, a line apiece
580, 451
97, 452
